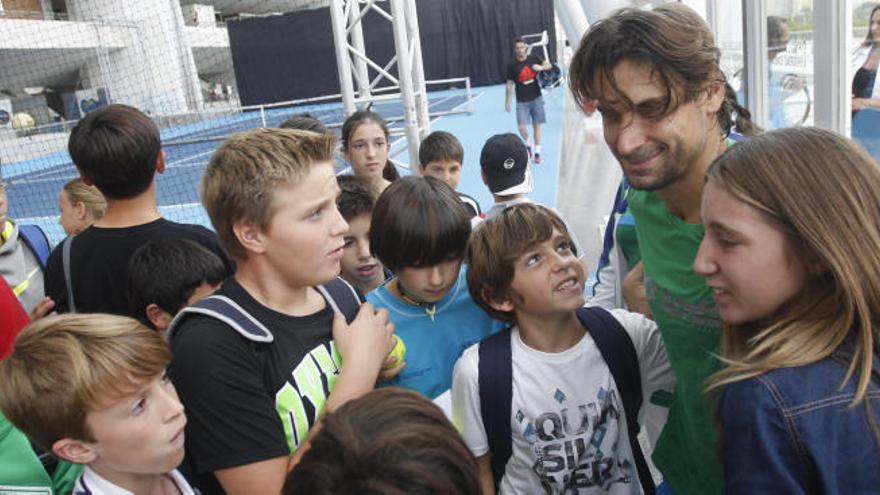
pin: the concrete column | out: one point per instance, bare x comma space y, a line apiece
755, 52
831, 69
598, 9
156, 70
573, 19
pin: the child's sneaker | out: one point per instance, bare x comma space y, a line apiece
538, 158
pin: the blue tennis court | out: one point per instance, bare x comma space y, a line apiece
33, 185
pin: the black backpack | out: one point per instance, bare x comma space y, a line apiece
496, 387
342, 298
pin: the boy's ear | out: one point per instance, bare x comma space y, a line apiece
158, 316
80, 210
249, 235
502, 304
75, 451
160, 162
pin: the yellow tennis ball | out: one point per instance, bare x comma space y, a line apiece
398, 354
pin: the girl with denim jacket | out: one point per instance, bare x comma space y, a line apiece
792, 255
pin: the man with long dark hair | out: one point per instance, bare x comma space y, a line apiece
667, 113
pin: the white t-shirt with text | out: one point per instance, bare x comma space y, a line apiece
567, 418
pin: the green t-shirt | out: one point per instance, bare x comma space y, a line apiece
22, 471
686, 315
627, 240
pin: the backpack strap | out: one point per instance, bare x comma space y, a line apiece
65, 262
619, 353
37, 240
228, 311
495, 379
342, 298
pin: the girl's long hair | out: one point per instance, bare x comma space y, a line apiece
823, 191
355, 120
869, 38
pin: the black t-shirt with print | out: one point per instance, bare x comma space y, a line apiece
524, 78
249, 401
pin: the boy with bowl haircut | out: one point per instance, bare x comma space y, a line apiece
355, 202
167, 275
253, 392
420, 230
441, 156
92, 389
570, 424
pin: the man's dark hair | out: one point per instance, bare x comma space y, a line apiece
440, 146
356, 197
673, 41
166, 272
390, 441
418, 222
304, 121
116, 148
518, 39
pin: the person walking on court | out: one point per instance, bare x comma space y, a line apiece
522, 74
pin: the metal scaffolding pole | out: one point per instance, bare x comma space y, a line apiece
343, 61
418, 70
354, 64
357, 38
404, 69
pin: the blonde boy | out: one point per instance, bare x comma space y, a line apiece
252, 396
92, 389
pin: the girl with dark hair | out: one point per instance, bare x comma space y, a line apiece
366, 145
866, 58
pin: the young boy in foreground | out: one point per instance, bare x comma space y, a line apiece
567, 419
92, 389
252, 397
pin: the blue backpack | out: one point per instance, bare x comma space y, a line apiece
495, 379
34, 237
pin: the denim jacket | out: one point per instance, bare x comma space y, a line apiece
792, 431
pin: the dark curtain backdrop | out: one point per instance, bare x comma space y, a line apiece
291, 56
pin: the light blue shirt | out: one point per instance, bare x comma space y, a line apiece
433, 346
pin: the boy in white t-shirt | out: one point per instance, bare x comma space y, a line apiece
567, 416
